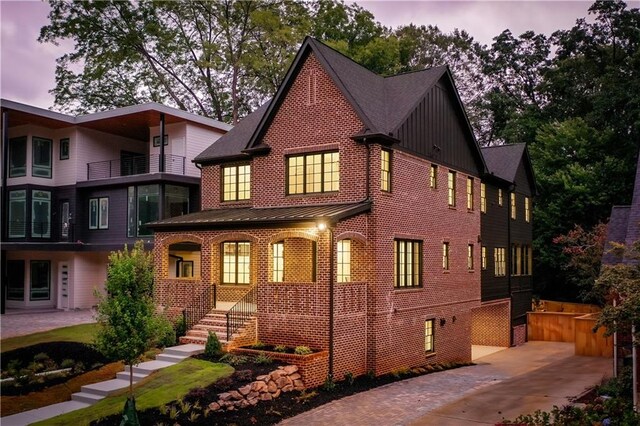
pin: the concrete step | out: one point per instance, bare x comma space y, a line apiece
184, 350
210, 327
170, 358
124, 375
87, 398
213, 322
149, 367
105, 388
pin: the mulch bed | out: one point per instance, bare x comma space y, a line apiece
265, 412
57, 351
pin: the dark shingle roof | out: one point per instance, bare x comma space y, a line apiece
251, 216
381, 102
503, 160
616, 232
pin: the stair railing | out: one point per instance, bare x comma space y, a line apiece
200, 306
240, 313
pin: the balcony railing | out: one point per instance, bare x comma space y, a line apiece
135, 165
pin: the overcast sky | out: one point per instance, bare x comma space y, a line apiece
27, 67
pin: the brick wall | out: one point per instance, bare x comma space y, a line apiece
491, 324
520, 335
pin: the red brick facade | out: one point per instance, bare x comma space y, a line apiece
376, 327
491, 323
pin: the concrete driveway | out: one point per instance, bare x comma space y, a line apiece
20, 322
505, 384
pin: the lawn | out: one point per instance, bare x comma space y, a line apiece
83, 333
160, 388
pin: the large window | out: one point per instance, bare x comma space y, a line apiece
469, 193
429, 335
483, 198
344, 261
278, 262
40, 280
236, 183
41, 166
17, 214
433, 176
236, 259
385, 170
312, 173
451, 183
527, 209
445, 256
15, 279
18, 156
148, 207
99, 213
407, 265
40, 214
513, 206
176, 201
499, 257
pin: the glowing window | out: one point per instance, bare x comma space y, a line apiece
344, 261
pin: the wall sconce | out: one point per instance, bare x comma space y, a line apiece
322, 226
442, 322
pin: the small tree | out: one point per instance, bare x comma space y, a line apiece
126, 313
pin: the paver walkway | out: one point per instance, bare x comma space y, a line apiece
21, 322
535, 375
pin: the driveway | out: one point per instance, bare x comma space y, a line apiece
537, 375
20, 322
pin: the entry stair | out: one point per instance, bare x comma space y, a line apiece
215, 322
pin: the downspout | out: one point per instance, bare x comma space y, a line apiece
331, 305
508, 250
5, 202
368, 170
161, 167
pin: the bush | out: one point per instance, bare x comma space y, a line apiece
329, 384
258, 345
621, 386
262, 359
280, 348
180, 326
348, 377
165, 334
302, 350
41, 357
67, 363
213, 348
234, 360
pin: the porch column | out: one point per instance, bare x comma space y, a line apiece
161, 162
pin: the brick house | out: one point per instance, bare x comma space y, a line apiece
76, 188
343, 215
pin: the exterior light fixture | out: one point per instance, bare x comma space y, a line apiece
322, 226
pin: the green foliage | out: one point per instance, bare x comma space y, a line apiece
349, 378
234, 360
621, 386
305, 396
329, 384
213, 347
258, 345
302, 350
165, 333
262, 359
180, 326
280, 348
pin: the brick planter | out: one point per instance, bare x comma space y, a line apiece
313, 367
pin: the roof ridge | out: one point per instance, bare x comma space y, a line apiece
413, 71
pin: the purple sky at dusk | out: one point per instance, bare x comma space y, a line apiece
27, 67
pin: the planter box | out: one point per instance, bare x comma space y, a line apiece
313, 367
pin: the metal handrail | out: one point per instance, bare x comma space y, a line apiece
200, 306
135, 165
241, 312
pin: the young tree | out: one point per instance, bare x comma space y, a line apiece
126, 313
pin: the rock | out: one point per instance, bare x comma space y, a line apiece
224, 396
263, 378
253, 394
272, 386
243, 404
253, 401
290, 369
298, 384
259, 386
214, 406
236, 395
283, 381
245, 390
287, 388
266, 396
295, 376
277, 393
275, 375
231, 408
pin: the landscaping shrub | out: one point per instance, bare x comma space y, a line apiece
258, 345
263, 359
213, 348
180, 326
234, 360
349, 378
280, 348
302, 350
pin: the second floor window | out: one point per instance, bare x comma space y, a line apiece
236, 257
312, 173
17, 213
99, 213
483, 258
40, 214
445, 256
500, 198
470, 257
483, 198
407, 265
499, 257
236, 183
513, 206
385, 170
451, 182
18, 156
41, 166
527, 209
469, 193
433, 176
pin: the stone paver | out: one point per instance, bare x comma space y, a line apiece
21, 322
515, 379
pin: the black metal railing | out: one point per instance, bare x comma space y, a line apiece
241, 312
135, 165
200, 306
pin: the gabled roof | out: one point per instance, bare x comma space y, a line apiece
381, 103
269, 216
616, 232
503, 161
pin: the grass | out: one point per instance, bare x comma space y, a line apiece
160, 388
83, 333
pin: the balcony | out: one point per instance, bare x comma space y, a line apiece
135, 165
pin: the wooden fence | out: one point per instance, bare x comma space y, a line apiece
574, 308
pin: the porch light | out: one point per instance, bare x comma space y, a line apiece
322, 226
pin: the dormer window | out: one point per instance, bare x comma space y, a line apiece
236, 182
313, 173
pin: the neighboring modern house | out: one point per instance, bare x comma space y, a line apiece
344, 215
76, 188
506, 197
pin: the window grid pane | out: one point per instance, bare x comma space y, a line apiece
230, 184
17, 213
41, 166
296, 175
500, 197
40, 214
18, 156
470, 257
428, 335
469, 193
331, 171
433, 177
483, 260
314, 173
527, 210
385, 170
445, 256
344, 261
452, 188
278, 262
513, 206
244, 182
407, 263
483, 198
